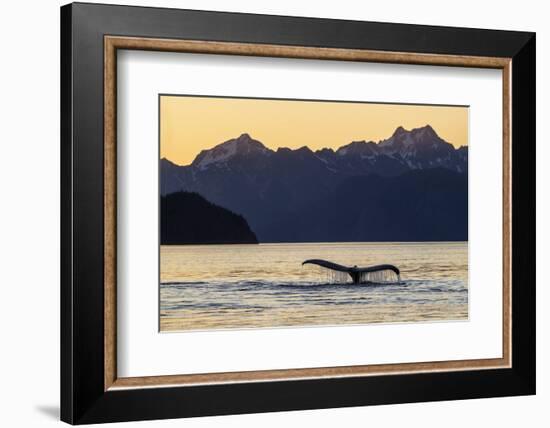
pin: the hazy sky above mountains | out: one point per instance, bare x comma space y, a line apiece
191, 124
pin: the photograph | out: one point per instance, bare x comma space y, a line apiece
300, 213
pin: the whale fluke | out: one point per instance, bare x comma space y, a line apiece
357, 274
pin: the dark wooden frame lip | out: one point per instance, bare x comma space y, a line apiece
83, 395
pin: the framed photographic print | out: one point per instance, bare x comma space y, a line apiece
265, 213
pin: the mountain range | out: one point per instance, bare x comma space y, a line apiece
410, 186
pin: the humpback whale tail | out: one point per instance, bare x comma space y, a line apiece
359, 275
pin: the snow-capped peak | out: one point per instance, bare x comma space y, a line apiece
406, 140
221, 153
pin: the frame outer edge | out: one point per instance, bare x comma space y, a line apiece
66, 147
87, 210
246, 27
524, 216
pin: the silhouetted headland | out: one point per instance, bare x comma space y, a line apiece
188, 218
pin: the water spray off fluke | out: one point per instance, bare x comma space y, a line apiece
339, 274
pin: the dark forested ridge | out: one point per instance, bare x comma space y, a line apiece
188, 218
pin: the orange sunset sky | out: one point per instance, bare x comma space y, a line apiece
189, 124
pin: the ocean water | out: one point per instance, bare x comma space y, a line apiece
261, 286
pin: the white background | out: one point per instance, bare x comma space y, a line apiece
29, 227
144, 352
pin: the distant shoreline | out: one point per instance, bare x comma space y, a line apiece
315, 242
